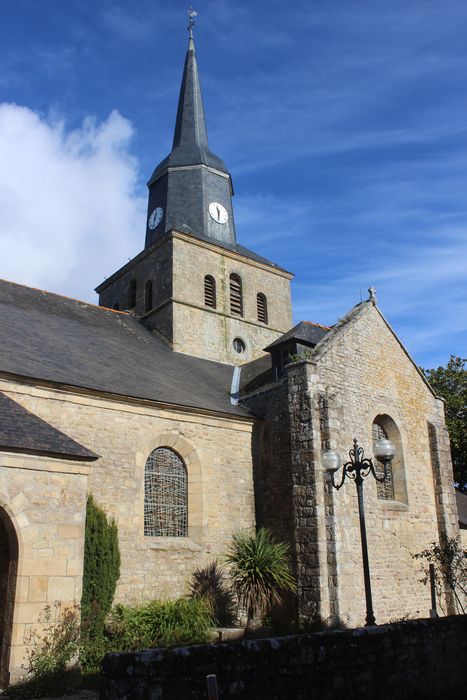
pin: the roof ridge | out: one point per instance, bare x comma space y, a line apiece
319, 325
63, 296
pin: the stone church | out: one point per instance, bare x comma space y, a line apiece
190, 406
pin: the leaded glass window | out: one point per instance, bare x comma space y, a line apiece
165, 495
384, 489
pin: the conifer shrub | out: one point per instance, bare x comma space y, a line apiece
101, 571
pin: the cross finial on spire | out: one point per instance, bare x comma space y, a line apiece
191, 21
372, 296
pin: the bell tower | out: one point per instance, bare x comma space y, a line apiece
193, 284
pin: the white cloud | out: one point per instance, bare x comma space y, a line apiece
70, 209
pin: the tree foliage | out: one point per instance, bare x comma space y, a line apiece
101, 568
259, 571
450, 383
450, 569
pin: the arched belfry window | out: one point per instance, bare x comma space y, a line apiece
210, 291
262, 308
132, 294
394, 488
165, 495
236, 296
148, 297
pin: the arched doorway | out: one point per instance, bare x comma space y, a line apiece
8, 570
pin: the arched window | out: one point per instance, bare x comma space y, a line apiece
132, 295
210, 291
148, 297
386, 488
165, 495
236, 297
262, 308
394, 488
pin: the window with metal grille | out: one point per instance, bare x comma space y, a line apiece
148, 297
262, 308
165, 495
386, 488
236, 298
210, 291
132, 295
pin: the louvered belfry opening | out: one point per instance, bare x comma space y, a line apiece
262, 308
165, 495
132, 295
148, 297
385, 489
236, 299
210, 291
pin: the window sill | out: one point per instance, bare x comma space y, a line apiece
169, 543
393, 505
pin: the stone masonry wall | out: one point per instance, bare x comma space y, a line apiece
154, 265
363, 372
423, 659
44, 500
273, 488
216, 451
209, 333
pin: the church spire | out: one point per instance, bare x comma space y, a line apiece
190, 126
191, 189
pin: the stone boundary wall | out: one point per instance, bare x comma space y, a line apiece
423, 659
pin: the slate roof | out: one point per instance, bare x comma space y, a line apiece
22, 431
306, 332
256, 374
49, 337
461, 500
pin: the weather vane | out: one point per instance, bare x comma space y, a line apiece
191, 23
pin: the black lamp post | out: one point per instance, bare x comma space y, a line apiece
357, 469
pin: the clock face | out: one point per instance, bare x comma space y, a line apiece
155, 218
218, 213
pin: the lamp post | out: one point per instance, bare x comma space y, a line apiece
357, 469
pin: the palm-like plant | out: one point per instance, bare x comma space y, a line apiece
259, 571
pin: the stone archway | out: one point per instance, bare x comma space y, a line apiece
8, 572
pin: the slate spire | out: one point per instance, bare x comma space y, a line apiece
191, 178
190, 127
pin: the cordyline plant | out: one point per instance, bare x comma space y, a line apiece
259, 572
450, 567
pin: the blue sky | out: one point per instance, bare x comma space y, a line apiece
343, 125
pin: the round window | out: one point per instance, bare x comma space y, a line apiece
239, 346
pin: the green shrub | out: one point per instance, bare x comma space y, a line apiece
259, 572
101, 571
159, 624
101, 568
209, 584
450, 569
52, 651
